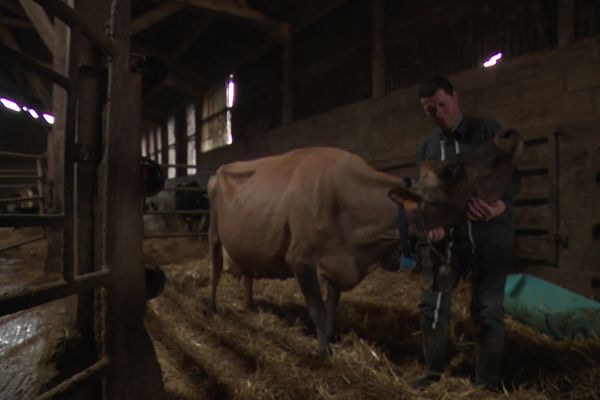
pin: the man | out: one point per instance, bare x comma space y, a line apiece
483, 246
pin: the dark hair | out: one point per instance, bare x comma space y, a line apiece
432, 85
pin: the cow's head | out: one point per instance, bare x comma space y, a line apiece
444, 187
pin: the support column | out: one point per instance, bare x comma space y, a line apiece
134, 372
56, 145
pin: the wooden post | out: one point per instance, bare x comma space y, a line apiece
566, 22
378, 56
287, 74
56, 145
164, 143
181, 138
134, 372
198, 105
84, 62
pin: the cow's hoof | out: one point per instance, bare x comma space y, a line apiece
324, 353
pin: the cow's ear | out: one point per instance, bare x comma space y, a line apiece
401, 194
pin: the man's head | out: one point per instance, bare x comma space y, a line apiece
440, 102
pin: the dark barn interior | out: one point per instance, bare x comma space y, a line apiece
106, 281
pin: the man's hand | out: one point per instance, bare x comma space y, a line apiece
436, 234
479, 210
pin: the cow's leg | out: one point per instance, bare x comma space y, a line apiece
217, 266
309, 284
333, 297
248, 282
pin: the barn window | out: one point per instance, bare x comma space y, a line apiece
216, 116
144, 149
191, 138
171, 145
151, 148
157, 138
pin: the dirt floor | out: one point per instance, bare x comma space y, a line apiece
269, 354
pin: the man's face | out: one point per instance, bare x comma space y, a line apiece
442, 108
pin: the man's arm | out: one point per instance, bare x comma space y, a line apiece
479, 210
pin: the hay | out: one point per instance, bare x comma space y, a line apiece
269, 354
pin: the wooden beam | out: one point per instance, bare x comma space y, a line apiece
65, 13
301, 23
37, 86
42, 23
34, 65
13, 7
191, 39
16, 22
233, 9
153, 16
312, 16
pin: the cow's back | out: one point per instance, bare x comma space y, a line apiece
255, 202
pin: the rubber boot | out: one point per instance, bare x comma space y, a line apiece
436, 343
488, 364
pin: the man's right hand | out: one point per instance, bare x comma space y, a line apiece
436, 234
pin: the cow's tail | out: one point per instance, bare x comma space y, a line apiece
216, 251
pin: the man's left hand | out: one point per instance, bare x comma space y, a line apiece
479, 210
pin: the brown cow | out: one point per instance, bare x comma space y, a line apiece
324, 211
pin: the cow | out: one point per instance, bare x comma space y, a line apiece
325, 213
193, 200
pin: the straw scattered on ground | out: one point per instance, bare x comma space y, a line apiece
269, 354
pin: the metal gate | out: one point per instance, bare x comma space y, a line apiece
126, 364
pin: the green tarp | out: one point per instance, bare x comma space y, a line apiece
551, 309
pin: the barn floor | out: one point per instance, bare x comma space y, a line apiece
268, 354
28, 338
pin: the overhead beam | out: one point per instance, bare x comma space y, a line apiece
16, 22
152, 17
191, 39
13, 7
299, 24
233, 9
35, 83
40, 20
312, 16
65, 13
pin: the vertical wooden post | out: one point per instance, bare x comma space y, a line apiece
566, 22
85, 62
287, 74
198, 105
134, 372
56, 146
181, 139
40, 185
378, 56
164, 143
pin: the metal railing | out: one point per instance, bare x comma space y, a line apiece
71, 284
179, 212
